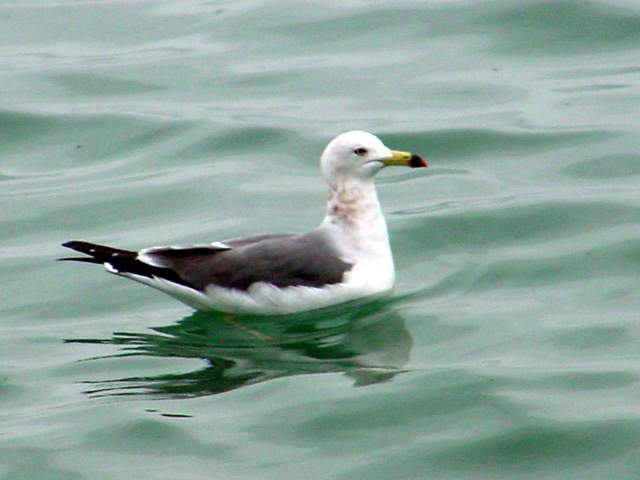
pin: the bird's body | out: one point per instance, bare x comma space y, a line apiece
347, 257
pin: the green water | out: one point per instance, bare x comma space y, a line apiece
511, 347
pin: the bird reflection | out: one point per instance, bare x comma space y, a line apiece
368, 343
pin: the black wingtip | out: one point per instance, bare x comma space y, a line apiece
78, 245
100, 252
72, 245
78, 259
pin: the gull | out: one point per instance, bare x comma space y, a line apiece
347, 257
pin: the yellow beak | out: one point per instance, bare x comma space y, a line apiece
405, 159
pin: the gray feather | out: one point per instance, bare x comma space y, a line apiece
281, 260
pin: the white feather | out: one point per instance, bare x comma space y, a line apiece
263, 298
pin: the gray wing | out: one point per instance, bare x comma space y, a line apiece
281, 260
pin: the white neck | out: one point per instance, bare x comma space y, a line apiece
354, 215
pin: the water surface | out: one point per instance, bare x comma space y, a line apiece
510, 347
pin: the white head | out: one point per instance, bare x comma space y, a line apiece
358, 155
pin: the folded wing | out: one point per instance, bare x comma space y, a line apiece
280, 260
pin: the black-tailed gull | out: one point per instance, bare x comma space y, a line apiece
347, 257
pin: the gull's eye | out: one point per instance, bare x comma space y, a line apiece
361, 151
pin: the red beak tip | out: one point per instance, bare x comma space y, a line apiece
418, 162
